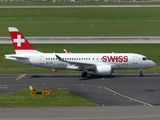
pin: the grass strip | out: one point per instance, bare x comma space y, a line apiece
82, 21
22, 98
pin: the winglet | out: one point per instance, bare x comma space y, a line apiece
66, 51
59, 58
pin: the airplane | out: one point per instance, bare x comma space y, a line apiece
99, 63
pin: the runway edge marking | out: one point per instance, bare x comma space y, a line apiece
122, 95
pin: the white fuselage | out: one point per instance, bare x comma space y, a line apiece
115, 60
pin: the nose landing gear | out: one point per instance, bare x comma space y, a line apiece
141, 74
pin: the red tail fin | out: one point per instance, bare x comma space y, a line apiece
19, 41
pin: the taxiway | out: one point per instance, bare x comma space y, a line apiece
118, 90
122, 96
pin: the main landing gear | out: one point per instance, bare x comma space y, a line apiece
84, 74
141, 74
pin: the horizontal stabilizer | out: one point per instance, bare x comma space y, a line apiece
16, 56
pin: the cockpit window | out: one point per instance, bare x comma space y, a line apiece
144, 58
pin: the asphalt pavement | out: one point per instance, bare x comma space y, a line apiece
122, 96
117, 90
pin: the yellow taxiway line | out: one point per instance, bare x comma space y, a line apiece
21, 76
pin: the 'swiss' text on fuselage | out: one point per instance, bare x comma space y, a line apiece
114, 58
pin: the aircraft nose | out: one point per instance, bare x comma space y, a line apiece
152, 64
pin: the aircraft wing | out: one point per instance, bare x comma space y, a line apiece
80, 64
83, 65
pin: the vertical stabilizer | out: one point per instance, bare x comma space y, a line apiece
20, 43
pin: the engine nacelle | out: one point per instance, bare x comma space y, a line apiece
104, 70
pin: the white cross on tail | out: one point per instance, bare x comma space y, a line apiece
18, 40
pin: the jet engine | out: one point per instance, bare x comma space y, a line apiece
104, 70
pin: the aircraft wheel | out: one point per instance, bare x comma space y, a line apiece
84, 74
141, 75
